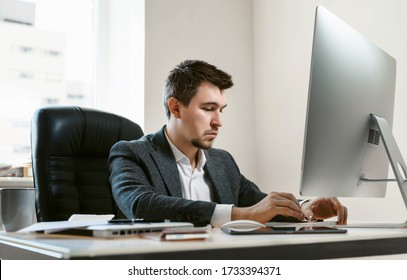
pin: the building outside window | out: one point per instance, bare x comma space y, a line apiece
47, 55
50, 55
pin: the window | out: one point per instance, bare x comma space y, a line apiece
63, 53
48, 61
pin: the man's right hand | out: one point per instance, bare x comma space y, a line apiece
275, 203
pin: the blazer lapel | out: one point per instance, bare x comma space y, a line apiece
215, 171
165, 161
169, 173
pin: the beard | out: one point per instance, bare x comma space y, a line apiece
200, 144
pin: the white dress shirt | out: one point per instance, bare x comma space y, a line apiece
196, 186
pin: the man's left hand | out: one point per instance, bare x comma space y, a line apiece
324, 208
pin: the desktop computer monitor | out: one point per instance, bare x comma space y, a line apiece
350, 79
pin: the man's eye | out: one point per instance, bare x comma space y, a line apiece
208, 108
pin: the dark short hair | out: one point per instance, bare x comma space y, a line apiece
183, 81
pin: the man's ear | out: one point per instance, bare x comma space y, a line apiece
174, 106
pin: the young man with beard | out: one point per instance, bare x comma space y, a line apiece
175, 173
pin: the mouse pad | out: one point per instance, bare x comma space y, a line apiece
284, 230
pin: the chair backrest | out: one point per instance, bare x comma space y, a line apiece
69, 149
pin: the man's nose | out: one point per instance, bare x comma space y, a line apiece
217, 120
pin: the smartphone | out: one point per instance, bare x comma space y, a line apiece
134, 221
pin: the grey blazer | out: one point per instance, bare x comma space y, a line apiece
146, 184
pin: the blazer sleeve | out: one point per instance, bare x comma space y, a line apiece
246, 192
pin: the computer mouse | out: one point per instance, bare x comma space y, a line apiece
243, 225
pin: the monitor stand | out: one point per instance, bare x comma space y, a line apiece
399, 168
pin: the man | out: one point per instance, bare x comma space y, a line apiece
175, 173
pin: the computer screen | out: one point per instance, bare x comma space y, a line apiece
350, 79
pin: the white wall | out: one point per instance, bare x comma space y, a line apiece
219, 32
266, 46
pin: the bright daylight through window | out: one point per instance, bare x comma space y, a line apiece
47, 55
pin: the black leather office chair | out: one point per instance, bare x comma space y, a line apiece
70, 148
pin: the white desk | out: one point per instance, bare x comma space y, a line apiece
16, 182
355, 243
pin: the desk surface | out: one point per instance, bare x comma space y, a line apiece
356, 242
16, 182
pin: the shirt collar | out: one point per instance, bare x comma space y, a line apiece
181, 158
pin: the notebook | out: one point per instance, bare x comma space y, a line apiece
102, 229
123, 230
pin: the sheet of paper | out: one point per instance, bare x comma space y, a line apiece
75, 221
90, 218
